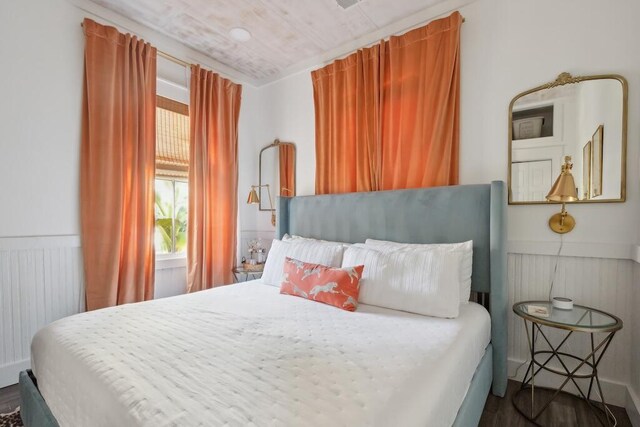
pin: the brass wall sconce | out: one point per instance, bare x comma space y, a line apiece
254, 199
563, 190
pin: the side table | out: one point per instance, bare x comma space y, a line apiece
242, 274
580, 319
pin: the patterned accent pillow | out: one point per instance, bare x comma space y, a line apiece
339, 287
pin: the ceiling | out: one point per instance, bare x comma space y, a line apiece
284, 32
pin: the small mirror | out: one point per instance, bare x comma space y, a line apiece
582, 117
277, 173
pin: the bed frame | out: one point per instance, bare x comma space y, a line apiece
433, 215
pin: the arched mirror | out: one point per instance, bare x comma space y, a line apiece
277, 173
584, 117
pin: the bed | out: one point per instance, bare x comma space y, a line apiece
247, 355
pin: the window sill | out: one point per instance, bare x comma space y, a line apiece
165, 262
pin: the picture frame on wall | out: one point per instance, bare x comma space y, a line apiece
597, 142
586, 171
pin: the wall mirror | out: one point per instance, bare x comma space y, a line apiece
277, 173
584, 117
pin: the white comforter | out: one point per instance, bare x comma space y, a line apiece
244, 355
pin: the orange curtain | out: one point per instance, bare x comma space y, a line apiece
421, 112
213, 180
286, 162
347, 99
387, 117
117, 163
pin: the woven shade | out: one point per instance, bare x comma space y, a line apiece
172, 139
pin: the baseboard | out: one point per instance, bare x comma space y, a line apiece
633, 407
615, 393
9, 373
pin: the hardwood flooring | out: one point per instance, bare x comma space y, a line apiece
498, 412
563, 411
9, 399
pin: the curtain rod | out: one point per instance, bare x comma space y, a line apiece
186, 64
165, 56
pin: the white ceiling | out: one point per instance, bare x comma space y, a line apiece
285, 32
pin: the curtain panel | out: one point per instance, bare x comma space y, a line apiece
347, 98
213, 180
387, 117
286, 159
117, 163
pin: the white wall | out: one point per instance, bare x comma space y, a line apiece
502, 55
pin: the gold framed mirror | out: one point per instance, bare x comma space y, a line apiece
584, 117
277, 173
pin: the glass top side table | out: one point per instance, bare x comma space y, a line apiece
242, 274
581, 319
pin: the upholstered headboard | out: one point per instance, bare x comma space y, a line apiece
427, 215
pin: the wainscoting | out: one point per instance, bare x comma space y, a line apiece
41, 280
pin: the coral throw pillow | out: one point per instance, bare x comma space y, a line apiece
335, 286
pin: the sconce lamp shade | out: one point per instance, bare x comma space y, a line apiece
563, 191
253, 197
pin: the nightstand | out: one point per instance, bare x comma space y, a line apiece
242, 274
598, 327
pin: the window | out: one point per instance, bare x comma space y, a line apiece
172, 202
172, 172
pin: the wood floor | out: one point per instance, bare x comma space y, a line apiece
563, 411
498, 412
9, 399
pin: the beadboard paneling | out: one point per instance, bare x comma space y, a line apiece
606, 284
170, 282
633, 400
41, 280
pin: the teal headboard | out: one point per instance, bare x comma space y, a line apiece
426, 215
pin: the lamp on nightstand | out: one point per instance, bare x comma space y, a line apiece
563, 190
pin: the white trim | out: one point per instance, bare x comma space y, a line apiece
30, 242
168, 262
575, 249
615, 392
633, 407
9, 373
636, 253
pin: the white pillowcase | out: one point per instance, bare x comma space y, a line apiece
466, 248
294, 238
329, 254
409, 279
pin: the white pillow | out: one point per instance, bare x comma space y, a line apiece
306, 251
297, 239
409, 279
466, 248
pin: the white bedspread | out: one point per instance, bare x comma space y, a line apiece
244, 355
